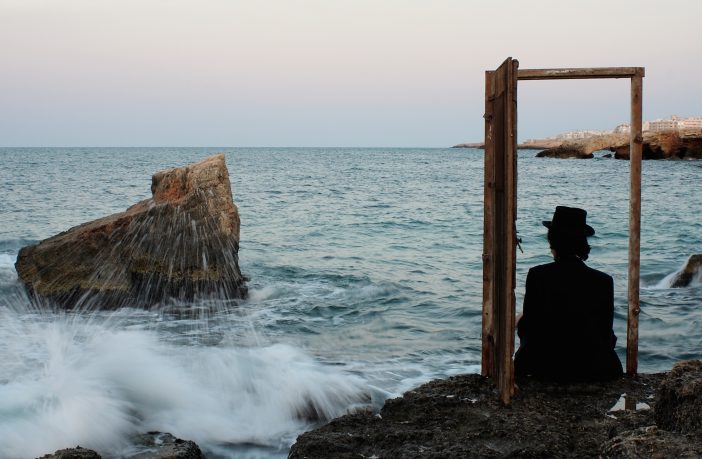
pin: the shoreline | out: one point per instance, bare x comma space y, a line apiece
461, 417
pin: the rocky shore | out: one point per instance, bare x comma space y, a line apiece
656, 145
654, 416
152, 445
651, 415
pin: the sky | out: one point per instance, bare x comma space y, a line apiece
361, 73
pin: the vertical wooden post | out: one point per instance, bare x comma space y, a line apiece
499, 257
488, 334
635, 153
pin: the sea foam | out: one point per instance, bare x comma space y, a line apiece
69, 380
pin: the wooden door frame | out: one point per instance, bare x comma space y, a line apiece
498, 266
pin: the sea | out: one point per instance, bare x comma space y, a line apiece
365, 281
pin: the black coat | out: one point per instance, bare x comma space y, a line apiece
566, 331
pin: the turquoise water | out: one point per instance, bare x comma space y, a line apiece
366, 279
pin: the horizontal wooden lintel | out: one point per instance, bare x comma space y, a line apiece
582, 73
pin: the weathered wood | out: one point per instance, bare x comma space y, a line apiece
635, 153
488, 336
509, 238
580, 73
499, 265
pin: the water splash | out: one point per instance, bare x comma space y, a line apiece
688, 275
94, 380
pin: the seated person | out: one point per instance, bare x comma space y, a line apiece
565, 331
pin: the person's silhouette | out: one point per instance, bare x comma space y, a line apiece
565, 330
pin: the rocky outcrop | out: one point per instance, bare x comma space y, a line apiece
462, 417
679, 399
583, 148
181, 243
691, 271
656, 145
539, 144
664, 145
158, 445
73, 453
652, 443
152, 445
565, 152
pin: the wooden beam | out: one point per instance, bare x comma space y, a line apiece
488, 334
580, 73
635, 153
499, 256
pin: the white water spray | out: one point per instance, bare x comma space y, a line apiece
71, 379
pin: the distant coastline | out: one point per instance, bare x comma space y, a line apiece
531, 144
673, 138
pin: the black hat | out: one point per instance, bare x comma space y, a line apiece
570, 219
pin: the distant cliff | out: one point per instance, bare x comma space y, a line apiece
656, 145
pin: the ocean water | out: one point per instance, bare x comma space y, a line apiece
366, 279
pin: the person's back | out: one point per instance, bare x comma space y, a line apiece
566, 328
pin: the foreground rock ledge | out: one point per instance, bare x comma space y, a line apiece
152, 445
461, 418
180, 244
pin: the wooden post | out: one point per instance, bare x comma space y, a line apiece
635, 153
499, 257
488, 334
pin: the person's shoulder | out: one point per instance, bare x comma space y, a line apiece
599, 274
542, 269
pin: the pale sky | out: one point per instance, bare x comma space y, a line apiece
395, 73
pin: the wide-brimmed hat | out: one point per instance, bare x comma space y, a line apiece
570, 219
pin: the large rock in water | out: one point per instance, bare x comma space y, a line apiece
180, 244
690, 271
664, 145
565, 152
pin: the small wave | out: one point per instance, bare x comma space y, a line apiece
7, 268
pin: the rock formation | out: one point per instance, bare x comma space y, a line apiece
462, 417
679, 399
691, 271
152, 445
565, 152
656, 145
73, 453
180, 244
584, 148
664, 145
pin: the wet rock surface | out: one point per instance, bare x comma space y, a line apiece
158, 445
73, 453
152, 445
180, 244
691, 271
461, 417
